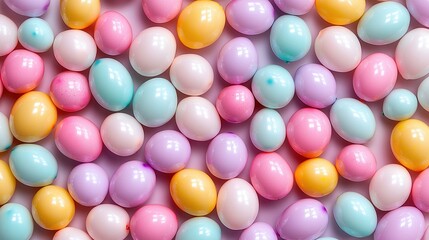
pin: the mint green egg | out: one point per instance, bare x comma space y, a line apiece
267, 130
199, 228
15, 222
36, 35
384, 23
400, 104
33, 165
155, 102
111, 84
355, 214
6, 137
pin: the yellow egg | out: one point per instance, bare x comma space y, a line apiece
7, 183
316, 177
193, 191
33, 116
409, 142
52, 207
79, 14
340, 12
200, 24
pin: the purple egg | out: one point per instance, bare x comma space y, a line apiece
258, 230
33, 8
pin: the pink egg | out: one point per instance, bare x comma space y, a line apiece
113, 33
70, 91
235, 104
153, 222
71, 233
22, 71
419, 191
78, 138
108, 222
356, 163
157, 11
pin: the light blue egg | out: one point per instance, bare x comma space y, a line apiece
111, 84
33, 165
352, 120
399, 105
290, 38
384, 23
355, 214
36, 35
423, 94
155, 102
15, 222
6, 137
199, 228
267, 130
273, 86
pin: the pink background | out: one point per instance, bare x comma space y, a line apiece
269, 210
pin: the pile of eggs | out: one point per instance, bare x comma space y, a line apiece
158, 126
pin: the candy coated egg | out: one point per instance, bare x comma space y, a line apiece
338, 48
70, 91
409, 142
316, 177
152, 51
32, 117
355, 214
122, 134
108, 222
15, 222
237, 61
290, 38
250, 17
419, 10
157, 11
33, 8
155, 102
375, 77
36, 35
309, 132
295, 7
402, 223
356, 163
132, 184
193, 191
167, 151
202, 228
75, 50
353, 120
305, 219
384, 23
7, 183
112, 33
200, 24
88, 184
315, 85
267, 130
111, 84
153, 222
258, 230
423, 94
419, 193
400, 104
6, 138
273, 86
197, 119
22, 71
235, 104
78, 138
191, 74
237, 205
52, 207
79, 14
271, 176
8, 35
71, 233
226, 156
339, 12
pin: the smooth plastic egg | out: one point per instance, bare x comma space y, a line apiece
419, 10
8, 35
36, 35
423, 94
71, 233
258, 230
203, 228
400, 104
15, 222
79, 14
33, 8
250, 17
157, 11
7, 183
316, 177
153, 222
6, 138
267, 130
295, 7
235, 104
108, 222
419, 193
339, 12
356, 163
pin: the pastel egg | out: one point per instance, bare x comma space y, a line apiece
418, 9
423, 94
8, 35
353, 120
34, 8
71, 233
295, 7
52, 207
316, 177
36, 35
15, 222
158, 13
419, 193
33, 165
250, 17
112, 33
237, 61
78, 138
235, 104
338, 12
199, 228
356, 163
7, 183
400, 104
22, 71
355, 214
32, 117
132, 184
153, 222
237, 204
258, 230
6, 138
78, 14
159, 47
111, 84
108, 222
267, 130
155, 102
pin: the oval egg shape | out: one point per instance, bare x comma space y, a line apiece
36, 35
6, 138
7, 183
15, 222
158, 13
78, 14
267, 130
